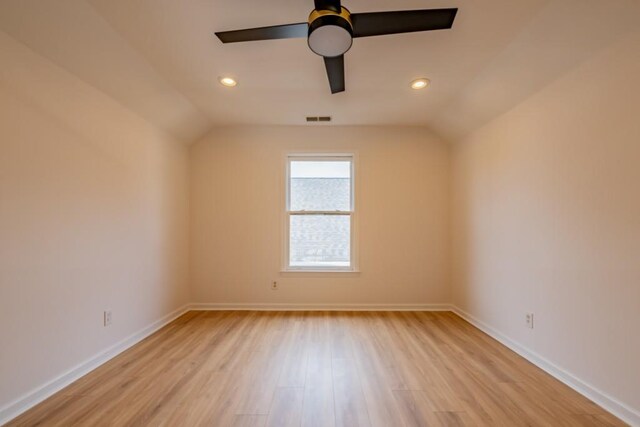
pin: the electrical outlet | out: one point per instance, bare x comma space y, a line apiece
274, 286
107, 318
529, 320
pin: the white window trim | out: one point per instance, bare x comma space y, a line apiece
354, 267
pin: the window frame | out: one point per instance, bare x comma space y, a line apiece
352, 214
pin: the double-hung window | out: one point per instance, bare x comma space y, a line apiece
320, 213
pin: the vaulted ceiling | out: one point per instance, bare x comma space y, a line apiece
160, 59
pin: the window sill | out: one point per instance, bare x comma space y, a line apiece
319, 272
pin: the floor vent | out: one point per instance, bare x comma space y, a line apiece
318, 118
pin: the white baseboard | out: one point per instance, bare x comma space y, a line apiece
37, 395
320, 307
617, 408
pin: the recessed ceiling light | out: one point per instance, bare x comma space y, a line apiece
228, 81
420, 83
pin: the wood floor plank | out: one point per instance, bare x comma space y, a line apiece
413, 412
260, 380
286, 409
249, 421
349, 403
294, 368
318, 408
378, 377
324, 369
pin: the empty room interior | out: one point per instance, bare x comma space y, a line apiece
330, 213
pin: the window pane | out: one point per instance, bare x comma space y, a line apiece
320, 186
319, 240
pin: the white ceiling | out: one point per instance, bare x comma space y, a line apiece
160, 58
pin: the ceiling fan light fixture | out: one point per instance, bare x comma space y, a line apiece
420, 83
330, 33
227, 81
331, 28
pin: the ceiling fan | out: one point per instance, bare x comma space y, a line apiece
331, 28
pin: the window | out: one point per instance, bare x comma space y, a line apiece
320, 213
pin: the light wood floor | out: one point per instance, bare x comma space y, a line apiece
318, 369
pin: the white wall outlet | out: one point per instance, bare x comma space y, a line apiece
107, 318
529, 320
274, 286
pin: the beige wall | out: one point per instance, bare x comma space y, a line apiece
237, 204
93, 216
547, 219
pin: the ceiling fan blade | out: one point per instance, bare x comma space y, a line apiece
288, 31
402, 21
335, 72
333, 5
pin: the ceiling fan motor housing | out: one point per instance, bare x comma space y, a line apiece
330, 32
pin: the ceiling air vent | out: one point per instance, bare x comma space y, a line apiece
318, 118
